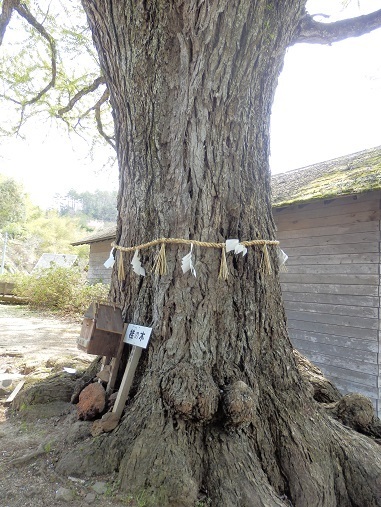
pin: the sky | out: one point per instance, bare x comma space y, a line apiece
328, 100
48, 162
327, 104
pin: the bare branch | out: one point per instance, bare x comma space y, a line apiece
313, 32
23, 11
97, 110
5, 16
96, 107
7, 97
85, 91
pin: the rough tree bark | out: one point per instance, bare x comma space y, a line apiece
219, 406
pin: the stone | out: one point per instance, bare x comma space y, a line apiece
90, 498
3, 392
109, 421
104, 374
99, 487
91, 402
64, 495
7, 379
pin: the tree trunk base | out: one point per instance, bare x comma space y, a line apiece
299, 459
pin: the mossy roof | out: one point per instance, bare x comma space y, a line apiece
108, 233
352, 174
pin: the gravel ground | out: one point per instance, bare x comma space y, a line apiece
33, 439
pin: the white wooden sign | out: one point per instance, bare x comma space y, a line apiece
138, 335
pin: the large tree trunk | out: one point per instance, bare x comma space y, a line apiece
219, 406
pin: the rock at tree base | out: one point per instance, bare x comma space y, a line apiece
104, 374
99, 487
64, 495
91, 402
90, 498
108, 422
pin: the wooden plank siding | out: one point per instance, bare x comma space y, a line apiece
328, 221
99, 253
331, 288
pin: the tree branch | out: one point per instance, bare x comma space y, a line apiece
96, 107
313, 32
7, 9
24, 12
5, 17
85, 91
98, 119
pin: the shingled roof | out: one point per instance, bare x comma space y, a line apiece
108, 233
348, 175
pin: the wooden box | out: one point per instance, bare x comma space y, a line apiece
101, 330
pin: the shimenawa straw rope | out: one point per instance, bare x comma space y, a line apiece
160, 263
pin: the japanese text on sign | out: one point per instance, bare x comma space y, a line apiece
138, 335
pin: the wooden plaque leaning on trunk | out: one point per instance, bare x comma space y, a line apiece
101, 330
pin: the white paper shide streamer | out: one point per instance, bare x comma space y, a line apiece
282, 258
234, 244
110, 261
137, 265
187, 263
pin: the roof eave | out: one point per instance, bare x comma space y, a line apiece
95, 240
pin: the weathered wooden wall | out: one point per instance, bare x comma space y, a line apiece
99, 253
332, 287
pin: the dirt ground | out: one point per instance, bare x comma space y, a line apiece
33, 438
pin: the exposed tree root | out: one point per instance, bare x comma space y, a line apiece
323, 390
41, 449
302, 457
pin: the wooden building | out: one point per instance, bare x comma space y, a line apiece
100, 246
328, 220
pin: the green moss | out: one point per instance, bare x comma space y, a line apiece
363, 176
145, 499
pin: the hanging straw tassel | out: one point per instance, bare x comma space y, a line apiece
121, 273
224, 272
160, 264
266, 259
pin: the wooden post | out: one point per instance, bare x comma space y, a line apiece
115, 363
127, 379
